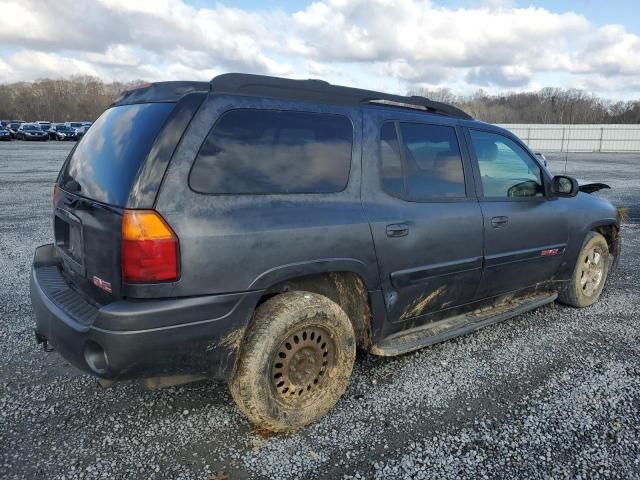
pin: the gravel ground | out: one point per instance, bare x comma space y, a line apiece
550, 394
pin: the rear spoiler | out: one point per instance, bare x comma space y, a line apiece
159, 92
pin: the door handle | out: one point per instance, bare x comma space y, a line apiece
397, 230
497, 222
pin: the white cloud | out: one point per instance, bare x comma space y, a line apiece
30, 64
380, 42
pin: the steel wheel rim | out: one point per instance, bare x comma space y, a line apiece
592, 271
300, 365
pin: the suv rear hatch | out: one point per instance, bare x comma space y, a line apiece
102, 176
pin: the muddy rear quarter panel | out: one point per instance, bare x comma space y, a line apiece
235, 243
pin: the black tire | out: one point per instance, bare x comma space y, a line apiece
295, 362
589, 274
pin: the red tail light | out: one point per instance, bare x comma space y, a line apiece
149, 248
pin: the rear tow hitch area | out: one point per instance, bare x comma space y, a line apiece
41, 339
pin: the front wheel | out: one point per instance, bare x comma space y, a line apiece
589, 275
295, 363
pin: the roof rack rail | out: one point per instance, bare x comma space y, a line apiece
321, 91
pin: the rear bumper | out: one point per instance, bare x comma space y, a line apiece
138, 338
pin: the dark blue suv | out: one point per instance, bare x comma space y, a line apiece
256, 230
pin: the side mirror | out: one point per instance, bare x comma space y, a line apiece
564, 186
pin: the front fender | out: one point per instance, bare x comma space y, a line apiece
585, 213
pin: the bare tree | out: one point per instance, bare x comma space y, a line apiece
549, 105
83, 98
80, 98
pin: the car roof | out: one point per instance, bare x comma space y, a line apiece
324, 92
266, 86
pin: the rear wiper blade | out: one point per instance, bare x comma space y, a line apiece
71, 186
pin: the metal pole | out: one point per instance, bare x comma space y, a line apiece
601, 134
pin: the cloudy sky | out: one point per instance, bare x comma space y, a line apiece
392, 45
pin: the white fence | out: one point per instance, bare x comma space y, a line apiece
578, 138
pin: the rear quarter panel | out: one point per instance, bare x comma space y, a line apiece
234, 243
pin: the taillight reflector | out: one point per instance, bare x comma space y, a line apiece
54, 194
149, 251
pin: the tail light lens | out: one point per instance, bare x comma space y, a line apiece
149, 248
54, 194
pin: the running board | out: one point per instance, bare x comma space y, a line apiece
436, 332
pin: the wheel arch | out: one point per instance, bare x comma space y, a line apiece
345, 287
611, 233
607, 227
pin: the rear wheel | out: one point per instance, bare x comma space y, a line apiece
589, 275
295, 363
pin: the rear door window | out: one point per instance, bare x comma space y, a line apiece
431, 162
251, 151
106, 161
390, 160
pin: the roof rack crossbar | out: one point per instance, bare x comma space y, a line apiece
319, 90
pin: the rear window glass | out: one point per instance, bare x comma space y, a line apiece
107, 159
268, 151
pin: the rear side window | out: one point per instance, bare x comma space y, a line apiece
425, 165
251, 151
432, 160
106, 161
390, 161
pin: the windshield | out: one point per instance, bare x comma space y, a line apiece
107, 159
63, 128
32, 128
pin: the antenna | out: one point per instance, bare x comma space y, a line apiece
566, 153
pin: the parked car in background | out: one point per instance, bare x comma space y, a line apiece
75, 125
62, 132
4, 123
31, 131
44, 125
5, 134
51, 130
13, 128
82, 130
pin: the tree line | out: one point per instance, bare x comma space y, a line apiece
79, 98
83, 98
548, 105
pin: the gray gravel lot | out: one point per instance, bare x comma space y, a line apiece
551, 394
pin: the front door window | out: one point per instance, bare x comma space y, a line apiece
506, 170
